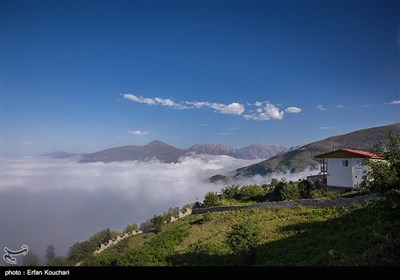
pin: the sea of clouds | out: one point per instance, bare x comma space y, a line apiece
61, 201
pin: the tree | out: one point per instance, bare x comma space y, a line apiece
131, 227
251, 192
50, 255
384, 175
305, 189
243, 239
285, 191
211, 199
157, 223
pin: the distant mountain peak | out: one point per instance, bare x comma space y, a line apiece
301, 157
157, 142
159, 150
253, 151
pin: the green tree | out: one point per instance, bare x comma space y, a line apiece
285, 191
243, 239
274, 182
211, 199
231, 192
81, 250
384, 175
50, 254
130, 227
157, 223
305, 189
146, 226
252, 192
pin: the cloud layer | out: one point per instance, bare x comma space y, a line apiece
60, 202
261, 113
139, 132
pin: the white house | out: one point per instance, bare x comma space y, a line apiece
345, 167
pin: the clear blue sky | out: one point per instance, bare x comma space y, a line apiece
81, 76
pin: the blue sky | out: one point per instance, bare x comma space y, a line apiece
81, 76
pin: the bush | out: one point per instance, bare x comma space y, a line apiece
157, 222
290, 191
285, 191
391, 201
211, 199
243, 239
130, 228
231, 192
251, 192
384, 176
305, 189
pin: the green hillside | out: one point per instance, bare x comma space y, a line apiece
358, 235
303, 158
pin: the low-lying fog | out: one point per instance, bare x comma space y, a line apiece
52, 201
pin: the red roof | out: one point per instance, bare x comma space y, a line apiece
363, 153
340, 153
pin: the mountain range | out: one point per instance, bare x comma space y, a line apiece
276, 158
303, 157
167, 153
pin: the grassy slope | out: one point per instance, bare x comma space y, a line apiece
359, 235
303, 158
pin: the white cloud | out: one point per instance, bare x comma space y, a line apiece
230, 109
293, 110
273, 112
320, 108
394, 102
70, 201
326, 127
340, 106
139, 132
131, 97
165, 102
151, 101
27, 143
269, 112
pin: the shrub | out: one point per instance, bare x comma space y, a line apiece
305, 189
251, 192
211, 199
157, 222
231, 192
243, 239
276, 192
290, 191
384, 176
285, 191
130, 228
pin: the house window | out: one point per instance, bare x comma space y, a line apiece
345, 163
